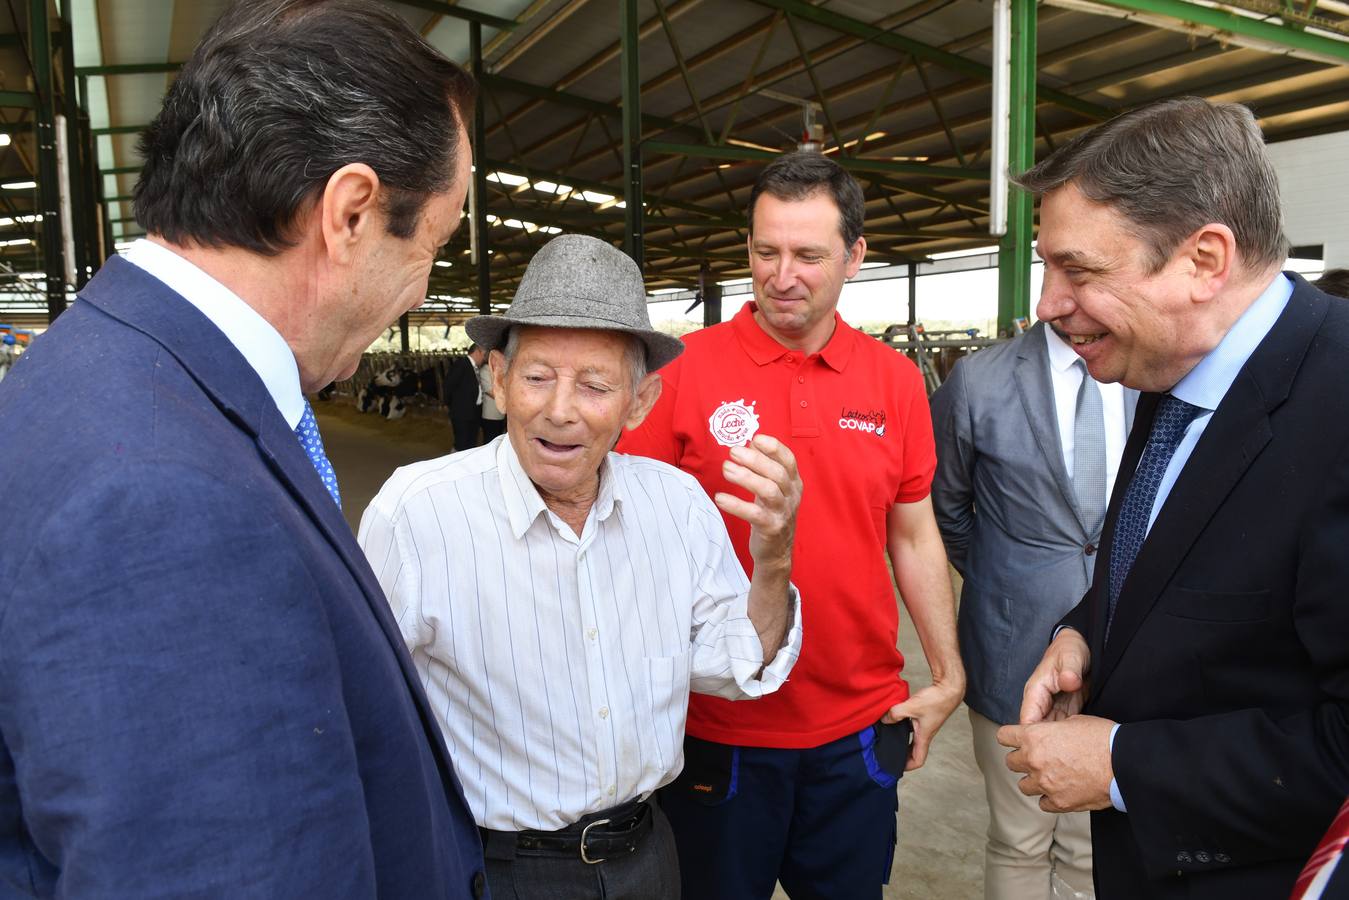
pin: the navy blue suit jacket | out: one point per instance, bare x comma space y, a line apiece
1228, 657
202, 691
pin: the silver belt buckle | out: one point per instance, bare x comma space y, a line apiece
585, 857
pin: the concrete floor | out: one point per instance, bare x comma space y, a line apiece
942, 814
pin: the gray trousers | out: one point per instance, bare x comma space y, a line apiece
651, 872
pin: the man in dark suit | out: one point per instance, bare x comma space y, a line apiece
463, 396
202, 691
1197, 699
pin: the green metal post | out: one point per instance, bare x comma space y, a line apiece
74, 158
1014, 248
93, 184
49, 195
632, 134
480, 225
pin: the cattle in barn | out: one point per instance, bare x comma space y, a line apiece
390, 390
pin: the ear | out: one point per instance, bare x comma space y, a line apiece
648, 392
497, 360
1212, 254
349, 210
856, 253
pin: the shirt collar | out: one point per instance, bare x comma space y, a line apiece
261, 345
763, 349
1206, 384
523, 502
1061, 356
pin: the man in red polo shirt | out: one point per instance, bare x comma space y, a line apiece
801, 786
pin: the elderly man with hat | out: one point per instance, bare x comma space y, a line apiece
561, 600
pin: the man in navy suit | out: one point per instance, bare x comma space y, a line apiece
1197, 699
202, 691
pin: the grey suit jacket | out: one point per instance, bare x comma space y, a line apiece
1007, 514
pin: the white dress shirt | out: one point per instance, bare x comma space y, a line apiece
559, 666
253, 336
1066, 376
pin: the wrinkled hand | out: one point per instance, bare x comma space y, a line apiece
928, 709
1058, 686
767, 469
1066, 764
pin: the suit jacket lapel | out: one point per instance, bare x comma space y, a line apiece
1036, 390
133, 296
1238, 431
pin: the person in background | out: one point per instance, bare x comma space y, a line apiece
202, 691
1334, 282
463, 397
493, 419
1028, 447
802, 787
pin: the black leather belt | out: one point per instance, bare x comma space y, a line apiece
593, 839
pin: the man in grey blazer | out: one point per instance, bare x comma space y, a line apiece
1027, 452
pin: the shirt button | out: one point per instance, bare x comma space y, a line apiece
789, 358
801, 379
591, 632
613, 789
1089, 549
803, 404
604, 712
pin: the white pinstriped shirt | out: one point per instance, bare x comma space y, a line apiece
559, 667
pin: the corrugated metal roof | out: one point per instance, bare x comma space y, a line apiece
737, 72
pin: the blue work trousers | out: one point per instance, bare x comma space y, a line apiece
822, 821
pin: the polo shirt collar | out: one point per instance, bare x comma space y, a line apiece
524, 504
763, 349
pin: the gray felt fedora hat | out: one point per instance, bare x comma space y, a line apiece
577, 281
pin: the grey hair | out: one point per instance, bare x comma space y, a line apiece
634, 354
1170, 168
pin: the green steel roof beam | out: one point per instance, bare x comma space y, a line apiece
17, 98
956, 173
120, 170
857, 28
130, 69
120, 129
1325, 48
534, 174
585, 104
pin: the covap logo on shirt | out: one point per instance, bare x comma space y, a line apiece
870, 421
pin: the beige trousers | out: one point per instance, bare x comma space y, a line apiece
1031, 854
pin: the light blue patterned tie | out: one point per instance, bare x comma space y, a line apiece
1168, 427
308, 433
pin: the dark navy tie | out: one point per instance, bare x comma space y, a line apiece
308, 433
1168, 427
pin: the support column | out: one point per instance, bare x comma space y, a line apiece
632, 134
711, 292
49, 194
913, 293
75, 157
1014, 249
403, 331
481, 236
97, 249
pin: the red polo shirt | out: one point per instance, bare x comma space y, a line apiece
856, 417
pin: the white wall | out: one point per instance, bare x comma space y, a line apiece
1314, 180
